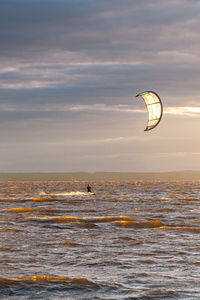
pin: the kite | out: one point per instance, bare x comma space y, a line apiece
154, 108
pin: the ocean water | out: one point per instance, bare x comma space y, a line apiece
131, 240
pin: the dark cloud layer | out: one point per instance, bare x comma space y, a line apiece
97, 30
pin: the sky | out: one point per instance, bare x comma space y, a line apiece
69, 74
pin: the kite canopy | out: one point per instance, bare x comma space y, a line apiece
154, 108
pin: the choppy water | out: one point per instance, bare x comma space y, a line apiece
132, 240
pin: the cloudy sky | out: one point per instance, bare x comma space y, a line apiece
69, 73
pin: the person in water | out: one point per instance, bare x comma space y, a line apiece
89, 189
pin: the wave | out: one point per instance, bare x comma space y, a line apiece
73, 193
68, 243
53, 287
123, 221
181, 228
22, 209
10, 229
66, 219
45, 279
145, 224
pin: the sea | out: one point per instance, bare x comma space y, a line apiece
126, 240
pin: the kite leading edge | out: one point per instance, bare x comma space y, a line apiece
154, 108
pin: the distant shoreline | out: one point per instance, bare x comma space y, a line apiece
102, 176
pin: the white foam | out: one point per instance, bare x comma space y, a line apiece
75, 193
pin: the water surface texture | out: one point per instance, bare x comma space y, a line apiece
131, 240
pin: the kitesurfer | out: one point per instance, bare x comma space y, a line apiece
89, 189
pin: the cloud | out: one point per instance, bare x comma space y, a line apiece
183, 111
96, 31
69, 73
124, 46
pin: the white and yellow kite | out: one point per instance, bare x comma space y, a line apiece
154, 108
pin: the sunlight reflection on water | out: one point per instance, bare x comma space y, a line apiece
129, 241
